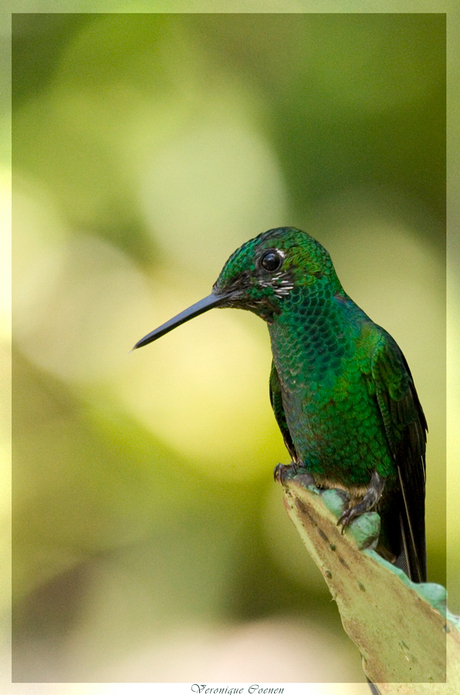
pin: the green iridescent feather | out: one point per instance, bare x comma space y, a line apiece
341, 390
340, 387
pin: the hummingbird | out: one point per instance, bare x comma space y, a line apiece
340, 387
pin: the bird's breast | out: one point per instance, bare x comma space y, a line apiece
331, 409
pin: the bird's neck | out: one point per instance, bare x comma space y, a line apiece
314, 332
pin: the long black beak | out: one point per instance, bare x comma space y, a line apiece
195, 310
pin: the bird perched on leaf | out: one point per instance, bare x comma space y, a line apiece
340, 387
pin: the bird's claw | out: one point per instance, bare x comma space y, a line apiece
367, 504
283, 472
348, 515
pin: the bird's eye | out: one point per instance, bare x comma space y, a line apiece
271, 260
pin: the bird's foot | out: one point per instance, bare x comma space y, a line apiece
370, 499
353, 512
283, 473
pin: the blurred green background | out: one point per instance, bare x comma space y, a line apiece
146, 148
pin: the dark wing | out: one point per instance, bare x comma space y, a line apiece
278, 409
406, 429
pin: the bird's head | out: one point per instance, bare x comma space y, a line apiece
261, 275
265, 270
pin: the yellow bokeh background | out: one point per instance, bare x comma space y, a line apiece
146, 148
